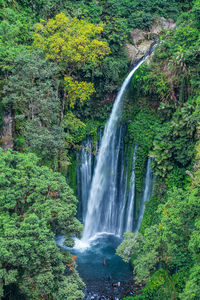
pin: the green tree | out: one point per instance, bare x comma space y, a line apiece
15, 35
32, 93
36, 204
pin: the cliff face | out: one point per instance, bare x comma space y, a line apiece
142, 40
7, 132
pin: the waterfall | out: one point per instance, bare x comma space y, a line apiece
84, 175
101, 210
109, 210
122, 192
131, 196
148, 185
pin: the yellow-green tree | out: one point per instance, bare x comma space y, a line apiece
71, 43
77, 90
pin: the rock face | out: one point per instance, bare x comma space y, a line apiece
137, 36
142, 40
7, 132
138, 51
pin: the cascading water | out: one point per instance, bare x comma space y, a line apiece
131, 196
122, 192
148, 186
102, 213
84, 175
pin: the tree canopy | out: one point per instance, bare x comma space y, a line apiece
71, 43
36, 204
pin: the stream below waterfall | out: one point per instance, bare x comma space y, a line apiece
100, 268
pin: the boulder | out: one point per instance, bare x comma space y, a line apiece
167, 24
156, 29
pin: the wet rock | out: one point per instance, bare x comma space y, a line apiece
136, 53
104, 290
132, 52
156, 29
144, 46
142, 40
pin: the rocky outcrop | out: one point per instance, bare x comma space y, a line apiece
142, 40
7, 132
162, 24
135, 52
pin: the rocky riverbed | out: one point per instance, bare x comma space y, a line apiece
110, 290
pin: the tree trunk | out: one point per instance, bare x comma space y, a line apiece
172, 284
61, 121
7, 131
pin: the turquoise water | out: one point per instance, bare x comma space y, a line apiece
101, 269
99, 261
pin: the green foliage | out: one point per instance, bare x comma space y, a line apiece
36, 204
143, 128
196, 13
32, 92
192, 288
171, 77
151, 215
72, 173
118, 18
42, 8
132, 14
15, 34
140, 168
27, 188
159, 287
174, 142
111, 71
1, 114
142, 131
176, 178
73, 128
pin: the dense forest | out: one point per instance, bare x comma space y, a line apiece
61, 65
